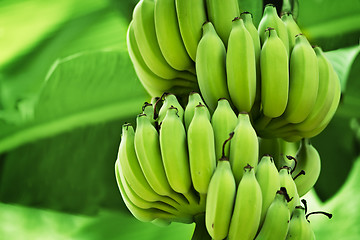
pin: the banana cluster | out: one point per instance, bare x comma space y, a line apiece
180, 162
288, 87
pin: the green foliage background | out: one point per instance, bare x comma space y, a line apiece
66, 87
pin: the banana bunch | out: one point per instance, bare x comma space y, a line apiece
182, 162
272, 72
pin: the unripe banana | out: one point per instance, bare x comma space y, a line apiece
325, 96
191, 16
299, 228
170, 100
220, 14
244, 146
174, 151
137, 200
267, 176
147, 149
211, 66
308, 160
194, 100
277, 219
220, 200
288, 150
248, 21
274, 75
247, 211
271, 19
169, 37
304, 81
241, 67
201, 147
132, 170
144, 215
287, 182
223, 121
291, 27
153, 84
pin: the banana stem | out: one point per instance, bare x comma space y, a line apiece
200, 232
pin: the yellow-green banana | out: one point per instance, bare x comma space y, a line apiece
145, 34
267, 176
247, 210
147, 149
220, 200
201, 147
308, 160
170, 100
304, 81
153, 84
271, 19
287, 149
287, 182
175, 155
241, 67
223, 121
194, 100
191, 16
327, 91
274, 75
244, 146
148, 110
291, 27
169, 37
299, 228
277, 219
220, 14
211, 66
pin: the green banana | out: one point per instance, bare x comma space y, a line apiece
271, 19
223, 121
304, 81
145, 34
201, 147
241, 67
174, 154
291, 27
138, 201
274, 75
287, 149
248, 21
267, 176
148, 110
244, 146
328, 88
287, 182
191, 16
194, 100
211, 67
220, 14
169, 36
277, 219
299, 228
247, 210
220, 199
170, 100
144, 215
131, 169
308, 160
153, 84
147, 148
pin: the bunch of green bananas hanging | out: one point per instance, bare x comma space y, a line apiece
288, 87
182, 162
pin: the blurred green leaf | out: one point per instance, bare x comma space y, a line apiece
330, 24
84, 89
